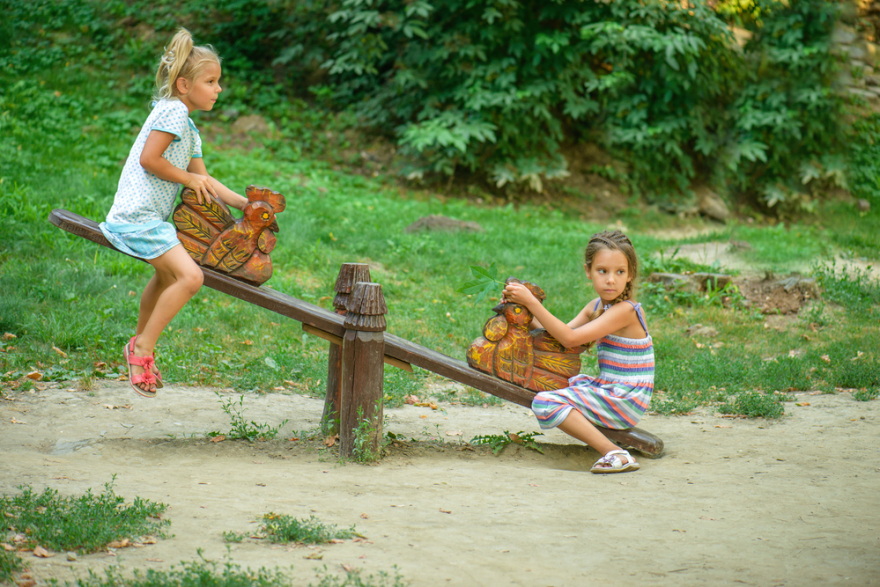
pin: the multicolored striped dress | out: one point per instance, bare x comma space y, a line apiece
618, 397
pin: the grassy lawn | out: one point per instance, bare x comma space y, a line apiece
67, 307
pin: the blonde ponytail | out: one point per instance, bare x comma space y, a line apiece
181, 59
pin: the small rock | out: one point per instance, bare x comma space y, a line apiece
700, 330
710, 204
71, 556
442, 223
863, 205
714, 280
250, 123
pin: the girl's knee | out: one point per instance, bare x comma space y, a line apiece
193, 280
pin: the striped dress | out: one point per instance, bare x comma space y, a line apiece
618, 397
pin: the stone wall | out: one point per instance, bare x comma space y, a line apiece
854, 39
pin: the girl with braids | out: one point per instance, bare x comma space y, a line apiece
166, 154
619, 396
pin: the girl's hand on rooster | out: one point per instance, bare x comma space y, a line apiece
201, 185
517, 293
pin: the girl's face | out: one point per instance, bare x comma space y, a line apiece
609, 274
201, 93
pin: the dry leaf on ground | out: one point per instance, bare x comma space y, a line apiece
42, 552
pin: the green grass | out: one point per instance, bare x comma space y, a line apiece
212, 574
61, 291
284, 529
85, 523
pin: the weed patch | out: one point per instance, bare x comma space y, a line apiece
753, 404
87, 523
283, 529
241, 429
498, 441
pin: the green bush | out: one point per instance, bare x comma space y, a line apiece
497, 87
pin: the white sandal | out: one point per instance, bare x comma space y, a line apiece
614, 464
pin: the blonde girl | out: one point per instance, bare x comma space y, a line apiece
166, 155
619, 396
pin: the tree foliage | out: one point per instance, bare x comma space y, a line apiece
499, 86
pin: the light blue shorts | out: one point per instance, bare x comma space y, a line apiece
149, 243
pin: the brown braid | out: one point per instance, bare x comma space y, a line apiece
612, 240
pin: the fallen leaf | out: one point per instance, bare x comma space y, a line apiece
59, 351
218, 438
347, 568
42, 552
533, 485
456, 433
35, 375
336, 541
124, 543
365, 516
723, 426
314, 556
247, 342
25, 582
445, 511
331, 440
858, 356
826, 358
423, 416
9, 336
14, 421
293, 438
410, 399
6, 547
148, 540
156, 560
802, 403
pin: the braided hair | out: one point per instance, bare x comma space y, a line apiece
181, 60
613, 240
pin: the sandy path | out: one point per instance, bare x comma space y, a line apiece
794, 502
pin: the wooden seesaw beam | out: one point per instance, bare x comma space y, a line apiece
398, 351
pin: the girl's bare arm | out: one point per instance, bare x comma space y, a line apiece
231, 198
615, 318
153, 161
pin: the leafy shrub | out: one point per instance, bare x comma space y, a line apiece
497, 87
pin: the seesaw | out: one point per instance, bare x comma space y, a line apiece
359, 347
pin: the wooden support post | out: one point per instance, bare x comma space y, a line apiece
363, 347
349, 274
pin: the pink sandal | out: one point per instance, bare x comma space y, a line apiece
147, 362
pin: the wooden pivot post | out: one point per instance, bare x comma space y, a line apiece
363, 349
349, 274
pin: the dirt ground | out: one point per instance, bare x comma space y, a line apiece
733, 501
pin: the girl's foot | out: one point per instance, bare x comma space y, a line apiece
612, 463
140, 370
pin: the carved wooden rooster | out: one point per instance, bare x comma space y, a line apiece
530, 359
239, 248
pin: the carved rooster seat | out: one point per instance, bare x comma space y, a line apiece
530, 359
239, 248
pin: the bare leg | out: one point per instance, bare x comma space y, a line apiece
176, 281
577, 426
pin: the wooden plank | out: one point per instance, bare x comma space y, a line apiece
331, 323
264, 297
338, 341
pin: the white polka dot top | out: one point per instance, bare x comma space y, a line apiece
142, 198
